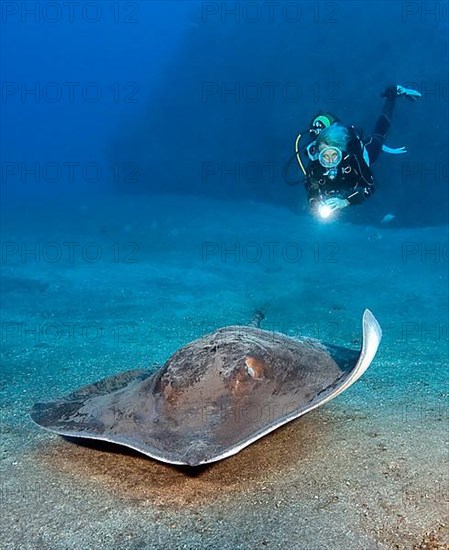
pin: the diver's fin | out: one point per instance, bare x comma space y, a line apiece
399, 90
412, 95
394, 151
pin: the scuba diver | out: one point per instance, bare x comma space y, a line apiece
339, 170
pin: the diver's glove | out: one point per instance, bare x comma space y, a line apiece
398, 90
336, 203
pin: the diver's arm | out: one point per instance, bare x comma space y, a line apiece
360, 194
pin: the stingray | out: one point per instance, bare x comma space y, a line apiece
214, 396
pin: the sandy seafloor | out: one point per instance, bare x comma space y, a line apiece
368, 470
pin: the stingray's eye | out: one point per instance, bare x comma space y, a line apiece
163, 382
166, 387
250, 371
254, 367
167, 390
244, 374
239, 382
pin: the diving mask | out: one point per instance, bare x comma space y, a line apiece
330, 157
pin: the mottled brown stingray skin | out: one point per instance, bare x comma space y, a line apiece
209, 398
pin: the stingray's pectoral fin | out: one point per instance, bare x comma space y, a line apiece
372, 335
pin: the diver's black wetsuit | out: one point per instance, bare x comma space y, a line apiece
354, 180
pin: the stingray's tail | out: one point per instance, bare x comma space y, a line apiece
258, 317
